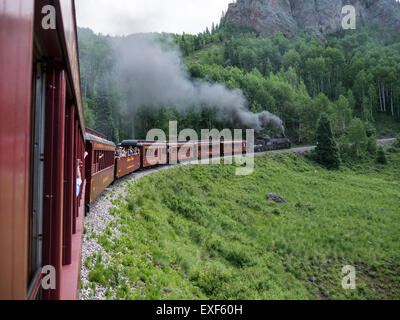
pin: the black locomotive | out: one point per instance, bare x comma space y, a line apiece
266, 143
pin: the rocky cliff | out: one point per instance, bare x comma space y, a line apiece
319, 17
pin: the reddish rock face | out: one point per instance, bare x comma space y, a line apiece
319, 17
264, 16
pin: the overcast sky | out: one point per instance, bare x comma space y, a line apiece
122, 17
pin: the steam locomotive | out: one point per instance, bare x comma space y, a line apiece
266, 143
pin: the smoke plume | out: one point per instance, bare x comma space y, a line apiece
153, 75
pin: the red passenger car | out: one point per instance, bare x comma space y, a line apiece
131, 163
153, 153
226, 147
239, 147
233, 147
208, 149
181, 151
100, 165
41, 138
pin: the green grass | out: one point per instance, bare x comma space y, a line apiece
201, 232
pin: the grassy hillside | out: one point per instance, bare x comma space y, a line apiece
213, 54
203, 232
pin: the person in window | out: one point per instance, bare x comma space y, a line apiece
119, 152
78, 177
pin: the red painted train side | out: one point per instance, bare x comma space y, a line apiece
100, 165
127, 165
41, 137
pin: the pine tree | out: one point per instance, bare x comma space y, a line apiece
381, 156
327, 152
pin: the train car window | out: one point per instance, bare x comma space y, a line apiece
103, 160
37, 162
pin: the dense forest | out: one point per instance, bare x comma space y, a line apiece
353, 77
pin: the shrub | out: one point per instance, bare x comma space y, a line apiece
371, 145
238, 256
381, 156
211, 278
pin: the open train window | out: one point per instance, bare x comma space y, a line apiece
37, 163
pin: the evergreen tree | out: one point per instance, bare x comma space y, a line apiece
326, 152
381, 156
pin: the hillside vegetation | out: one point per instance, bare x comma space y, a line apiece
353, 75
201, 232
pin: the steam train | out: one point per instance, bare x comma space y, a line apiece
45, 148
103, 168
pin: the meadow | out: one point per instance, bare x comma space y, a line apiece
201, 232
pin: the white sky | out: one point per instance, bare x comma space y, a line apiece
123, 17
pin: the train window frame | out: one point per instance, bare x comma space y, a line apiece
37, 178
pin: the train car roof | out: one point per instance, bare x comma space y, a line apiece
91, 137
233, 141
152, 144
128, 143
69, 41
141, 143
207, 142
181, 143
95, 133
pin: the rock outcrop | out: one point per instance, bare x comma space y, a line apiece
276, 198
319, 17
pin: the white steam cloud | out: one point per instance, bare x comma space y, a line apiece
153, 75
